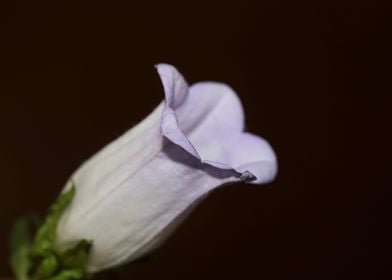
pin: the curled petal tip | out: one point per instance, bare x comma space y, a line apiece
247, 177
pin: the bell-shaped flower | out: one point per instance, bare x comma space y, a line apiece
133, 193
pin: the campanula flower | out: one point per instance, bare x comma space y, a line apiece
134, 192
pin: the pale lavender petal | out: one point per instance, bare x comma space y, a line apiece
208, 121
174, 84
252, 153
176, 89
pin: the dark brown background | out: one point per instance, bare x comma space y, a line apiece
313, 78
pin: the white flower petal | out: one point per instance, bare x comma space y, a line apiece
145, 205
118, 160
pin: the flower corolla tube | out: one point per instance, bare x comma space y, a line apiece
134, 192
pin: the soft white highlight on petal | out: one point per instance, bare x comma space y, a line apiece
134, 192
116, 162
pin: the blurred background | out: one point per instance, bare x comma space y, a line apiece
314, 79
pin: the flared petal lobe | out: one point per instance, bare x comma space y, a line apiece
208, 121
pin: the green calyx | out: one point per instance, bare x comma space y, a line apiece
38, 258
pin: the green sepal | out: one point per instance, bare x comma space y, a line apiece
40, 259
43, 252
21, 239
68, 274
76, 258
44, 241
